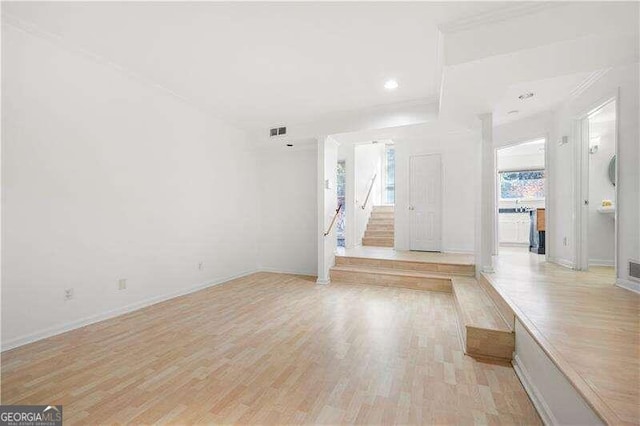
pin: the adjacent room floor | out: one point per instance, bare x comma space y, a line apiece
271, 348
586, 324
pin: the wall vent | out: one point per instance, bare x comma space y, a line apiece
277, 131
634, 270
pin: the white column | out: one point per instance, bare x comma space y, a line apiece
487, 195
327, 204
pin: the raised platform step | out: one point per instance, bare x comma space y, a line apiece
377, 241
391, 278
439, 264
485, 333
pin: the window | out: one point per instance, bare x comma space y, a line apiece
524, 184
390, 169
340, 189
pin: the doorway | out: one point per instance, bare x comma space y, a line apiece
425, 202
597, 183
521, 197
341, 184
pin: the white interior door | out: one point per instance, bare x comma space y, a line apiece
425, 202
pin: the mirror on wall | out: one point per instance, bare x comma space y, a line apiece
612, 171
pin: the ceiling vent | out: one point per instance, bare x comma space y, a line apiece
277, 131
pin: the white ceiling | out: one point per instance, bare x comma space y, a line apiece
535, 147
261, 64
554, 51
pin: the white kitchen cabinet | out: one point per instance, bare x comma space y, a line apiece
513, 228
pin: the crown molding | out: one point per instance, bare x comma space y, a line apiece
513, 10
589, 81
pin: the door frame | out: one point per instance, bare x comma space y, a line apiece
580, 128
548, 179
440, 201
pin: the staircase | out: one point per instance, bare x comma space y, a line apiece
484, 331
380, 228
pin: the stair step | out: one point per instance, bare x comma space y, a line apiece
380, 227
408, 265
484, 331
378, 234
391, 278
382, 215
384, 209
377, 241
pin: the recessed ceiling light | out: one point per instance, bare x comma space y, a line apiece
391, 84
513, 111
525, 96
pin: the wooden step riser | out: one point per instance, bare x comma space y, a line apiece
377, 227
380, 221
464, 270
373, 278
483, 343
379, 234
377, 242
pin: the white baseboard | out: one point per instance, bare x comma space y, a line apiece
536, 398
628, 284
457, 250
63, 328
600, 262
288, 271
564, 262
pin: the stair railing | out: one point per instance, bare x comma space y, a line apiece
335, 216
366, 200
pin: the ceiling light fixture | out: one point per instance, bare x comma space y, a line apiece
391, 85
513, 111
525, 96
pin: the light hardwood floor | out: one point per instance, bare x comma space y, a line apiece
271, 348
589, 327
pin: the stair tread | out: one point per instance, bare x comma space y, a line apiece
390, 271
477, 309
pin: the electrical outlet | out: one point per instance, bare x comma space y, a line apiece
122, 284
68, 293
200, 266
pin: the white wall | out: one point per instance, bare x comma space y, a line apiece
601, 226
368, 162
287, 194
105, 178
525, 129
628, 203
460, 165
555, 398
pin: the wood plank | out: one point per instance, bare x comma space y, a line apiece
485, 333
